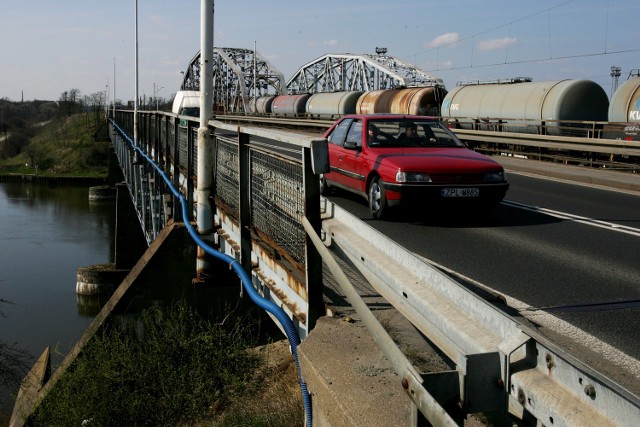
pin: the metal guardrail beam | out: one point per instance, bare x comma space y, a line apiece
503, 365
594, 145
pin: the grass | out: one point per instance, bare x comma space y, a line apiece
170, 368
61, 147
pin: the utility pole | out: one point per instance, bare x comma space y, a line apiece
114, 87
205, 141
136, 159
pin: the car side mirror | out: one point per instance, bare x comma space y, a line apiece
350, 145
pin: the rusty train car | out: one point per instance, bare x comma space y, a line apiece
423, 101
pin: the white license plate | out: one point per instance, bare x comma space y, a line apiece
460, 192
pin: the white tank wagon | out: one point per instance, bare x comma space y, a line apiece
625, 103
332, 105
527, 107
261, 105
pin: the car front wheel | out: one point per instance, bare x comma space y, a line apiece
377, 200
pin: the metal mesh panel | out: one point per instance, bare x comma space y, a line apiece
171, 141
183, 146
163, 138
152, 132
227, 179
277, 194
194, 138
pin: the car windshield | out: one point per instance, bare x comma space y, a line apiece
408, 133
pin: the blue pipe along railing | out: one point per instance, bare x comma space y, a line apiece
269, 306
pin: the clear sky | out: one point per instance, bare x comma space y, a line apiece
48, 47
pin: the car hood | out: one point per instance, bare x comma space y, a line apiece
436, 160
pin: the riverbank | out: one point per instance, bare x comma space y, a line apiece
52, 179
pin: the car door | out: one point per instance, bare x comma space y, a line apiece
336, 151
351, 157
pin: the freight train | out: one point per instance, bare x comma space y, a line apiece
562, 107
421, 101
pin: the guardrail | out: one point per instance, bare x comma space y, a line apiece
502, 366
261, 220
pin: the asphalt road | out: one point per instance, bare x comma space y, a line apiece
550, 244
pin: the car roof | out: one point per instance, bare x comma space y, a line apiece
390, 116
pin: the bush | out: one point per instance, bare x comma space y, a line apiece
168, 367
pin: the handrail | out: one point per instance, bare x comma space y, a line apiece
499, 359
277, 312
411, 379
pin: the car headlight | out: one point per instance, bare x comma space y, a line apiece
495, 177
412, 177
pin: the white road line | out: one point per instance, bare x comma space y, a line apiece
581, 219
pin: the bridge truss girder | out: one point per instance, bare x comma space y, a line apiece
346, 72
238, 76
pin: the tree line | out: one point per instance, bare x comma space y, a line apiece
20, 121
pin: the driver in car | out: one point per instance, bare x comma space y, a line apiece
376, 136
410, 135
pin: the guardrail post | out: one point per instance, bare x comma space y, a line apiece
189, 172
177, 213
313, 260
245, 200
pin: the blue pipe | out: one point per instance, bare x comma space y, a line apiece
265, 304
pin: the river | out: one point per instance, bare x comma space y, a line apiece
46, 233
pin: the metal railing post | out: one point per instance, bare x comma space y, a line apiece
245, 200
313, 260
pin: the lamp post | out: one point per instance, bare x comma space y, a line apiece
136, 160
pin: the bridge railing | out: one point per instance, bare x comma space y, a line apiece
260, 194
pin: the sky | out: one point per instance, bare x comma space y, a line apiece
49, 47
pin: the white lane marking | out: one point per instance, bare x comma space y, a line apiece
545, 320
581, 219
574, 182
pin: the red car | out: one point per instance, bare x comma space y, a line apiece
395, 159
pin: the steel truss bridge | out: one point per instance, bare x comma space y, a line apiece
364, 72
240, 75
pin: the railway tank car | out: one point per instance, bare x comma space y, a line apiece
418, 101
331, 105
525, 106
290, 105
261, 105
625, 103
624, 112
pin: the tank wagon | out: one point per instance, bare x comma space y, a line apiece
290, 105
417, 101
527, 107
420, 101
625, 103
624, 111
261, 105
332, 105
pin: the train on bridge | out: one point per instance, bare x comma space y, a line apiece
334, 85
564, 107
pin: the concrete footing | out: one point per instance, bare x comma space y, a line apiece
99, 279
102, 193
